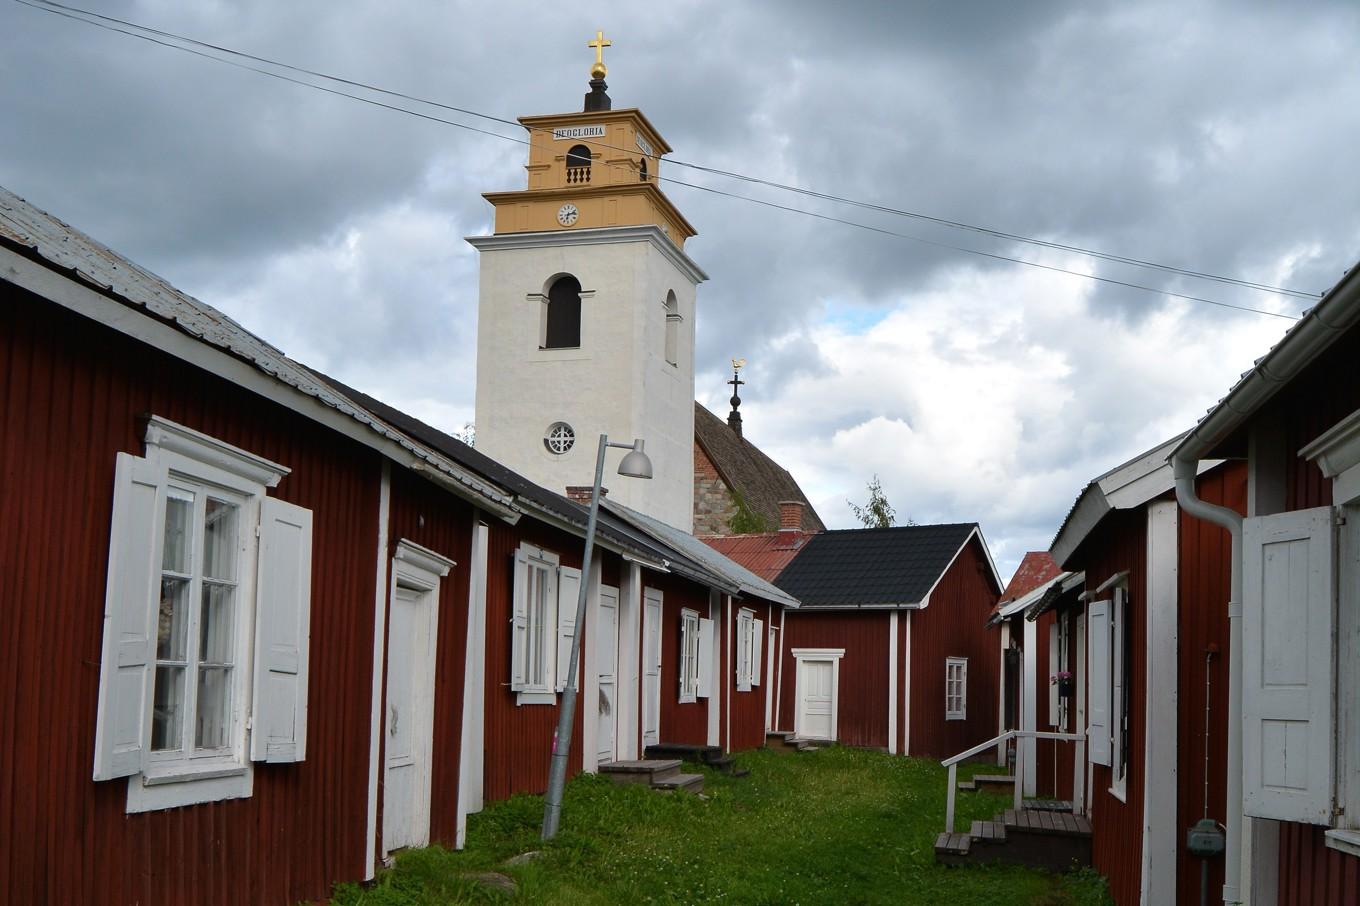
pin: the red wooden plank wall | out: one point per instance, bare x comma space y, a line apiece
687, 723
1120, 543
748, 708
954, 625
71, 395
1311, 873
1326, 392
863, 693
518, 737
433, 518
1203, 589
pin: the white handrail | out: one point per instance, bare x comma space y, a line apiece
953, 765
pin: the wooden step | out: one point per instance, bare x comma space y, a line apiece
952, 849
988, 832
647, 771
689, 783
685, 752
779, 741
967, 786
1046, 823
994, 782
1048, 805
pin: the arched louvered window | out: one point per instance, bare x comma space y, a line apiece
562, 321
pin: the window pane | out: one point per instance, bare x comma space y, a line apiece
214, 708
172, 619
179, 513
216, 624
219, 539
167, 713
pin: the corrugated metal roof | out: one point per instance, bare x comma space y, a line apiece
747, 581
766, 554
66, 248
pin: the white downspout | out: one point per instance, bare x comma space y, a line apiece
1185, 471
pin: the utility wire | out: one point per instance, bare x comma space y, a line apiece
167, 39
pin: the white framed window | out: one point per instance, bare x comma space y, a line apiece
689, 656
1119, 691
956, 688
748, 644
542, 625
206, 622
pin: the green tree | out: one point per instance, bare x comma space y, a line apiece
877, 513
746, 521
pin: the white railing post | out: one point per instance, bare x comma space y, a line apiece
1019, 778
949, 799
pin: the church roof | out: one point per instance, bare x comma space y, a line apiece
757, 479
877, 567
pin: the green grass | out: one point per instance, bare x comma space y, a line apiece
833, 826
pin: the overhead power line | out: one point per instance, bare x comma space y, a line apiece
169, 39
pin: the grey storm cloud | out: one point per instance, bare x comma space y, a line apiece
1208, 135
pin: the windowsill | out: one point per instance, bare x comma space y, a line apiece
181, 786
955, 717
536, 698
1120, 793
687, 700
1345, 841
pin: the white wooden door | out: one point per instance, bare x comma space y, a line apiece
607, 661
651, 668
816, 699
409, 720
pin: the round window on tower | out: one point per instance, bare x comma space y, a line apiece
559, 438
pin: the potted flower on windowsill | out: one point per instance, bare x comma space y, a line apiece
1063, 680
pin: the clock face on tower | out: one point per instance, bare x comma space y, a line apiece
567, 214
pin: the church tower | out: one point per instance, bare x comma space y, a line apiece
586, 310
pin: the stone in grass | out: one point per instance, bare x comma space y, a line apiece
493, 880
524, 858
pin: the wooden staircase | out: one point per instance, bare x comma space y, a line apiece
989, 783
660, 774
784, 741
710, 756
1042, 834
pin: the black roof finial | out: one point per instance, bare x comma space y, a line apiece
734, 418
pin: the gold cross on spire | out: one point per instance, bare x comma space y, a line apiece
599, 70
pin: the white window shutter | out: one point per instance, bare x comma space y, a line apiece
129, 597
705, 658
1098, 682
519, 624
283, 616
1288, 622
757, 636
568, 589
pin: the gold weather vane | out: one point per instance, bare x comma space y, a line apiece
599, 70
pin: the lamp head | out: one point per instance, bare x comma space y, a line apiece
635, 463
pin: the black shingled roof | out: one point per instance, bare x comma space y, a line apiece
873, 567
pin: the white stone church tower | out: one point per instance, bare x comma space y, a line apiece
586, 312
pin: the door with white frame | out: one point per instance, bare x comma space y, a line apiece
607, 672
408, 718
651, 667
816, 692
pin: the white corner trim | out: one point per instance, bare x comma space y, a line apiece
1346, 841
163, 434
1158, 874
379, 646
892, 683
413, 557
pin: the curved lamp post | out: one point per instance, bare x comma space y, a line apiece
634, 465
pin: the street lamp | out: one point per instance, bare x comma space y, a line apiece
634, 465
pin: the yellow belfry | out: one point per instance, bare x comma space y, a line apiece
596, 168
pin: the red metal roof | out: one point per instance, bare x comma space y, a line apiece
765, 554
1036, 569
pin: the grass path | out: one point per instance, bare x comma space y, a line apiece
836, 826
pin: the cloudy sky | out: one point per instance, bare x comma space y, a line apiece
1215, 137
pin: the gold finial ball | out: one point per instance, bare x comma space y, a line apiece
598, 71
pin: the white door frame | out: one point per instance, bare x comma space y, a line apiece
419, 570
717, 687
653, 616
608, 600
771, 659
630, 656
828, 655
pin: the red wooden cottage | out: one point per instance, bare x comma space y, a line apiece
284, 629
1293, 747
887, 648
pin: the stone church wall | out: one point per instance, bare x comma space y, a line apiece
713, 504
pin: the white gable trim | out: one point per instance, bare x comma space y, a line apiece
996, 577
